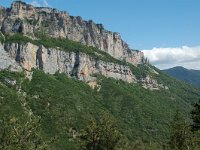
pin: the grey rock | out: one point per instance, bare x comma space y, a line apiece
27, 19
10, 81
6, 62
51, 60
149, 83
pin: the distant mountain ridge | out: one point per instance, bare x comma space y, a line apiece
187, 75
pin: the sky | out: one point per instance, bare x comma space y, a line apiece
167, 31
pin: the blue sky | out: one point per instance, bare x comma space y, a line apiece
143, 24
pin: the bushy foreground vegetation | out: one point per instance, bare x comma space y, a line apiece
57, 112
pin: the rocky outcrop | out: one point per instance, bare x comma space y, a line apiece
27, 19
6, 62
78, 65
149, 83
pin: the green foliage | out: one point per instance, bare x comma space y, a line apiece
62, 44
141, 71
196, 123
101, 133
14, 135
11, 79
64, 103
10, 104
19, 128
181, 137
133, 117
189, 76
178, 90
196, 117
124, 100
19, 38
71, 46
139, 144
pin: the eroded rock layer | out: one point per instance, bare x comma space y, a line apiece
79, 65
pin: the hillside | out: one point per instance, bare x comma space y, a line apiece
62, 104
187, 75
62, 77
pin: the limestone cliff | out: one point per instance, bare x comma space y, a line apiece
22, 17
78, 65
29, 20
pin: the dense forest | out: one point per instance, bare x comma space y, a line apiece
57, 112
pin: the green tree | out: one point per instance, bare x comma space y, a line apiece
90, 136
196, 123
181, 137
196, 117
17, 136
100, 134
139, 144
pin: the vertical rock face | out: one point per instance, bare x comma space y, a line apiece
6, 61
79, 65
27, 19
2, 15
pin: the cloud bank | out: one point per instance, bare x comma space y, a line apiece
163, 58
40, 3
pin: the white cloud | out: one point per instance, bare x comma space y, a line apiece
45, 3
35, 3
40, 3
188, 57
